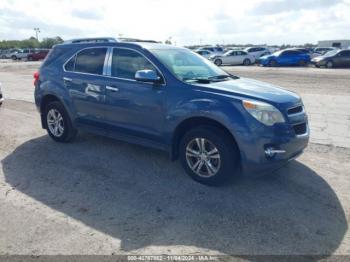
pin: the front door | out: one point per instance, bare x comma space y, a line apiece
133, 107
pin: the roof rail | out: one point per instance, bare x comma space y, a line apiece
136, 40
91, 40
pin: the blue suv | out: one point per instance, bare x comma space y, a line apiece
171, 99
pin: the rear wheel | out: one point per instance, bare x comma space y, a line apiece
209, 155
58, 124
14, 57
246, 62
218, 62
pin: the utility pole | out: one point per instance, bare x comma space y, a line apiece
37, 31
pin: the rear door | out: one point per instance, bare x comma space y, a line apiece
83, 77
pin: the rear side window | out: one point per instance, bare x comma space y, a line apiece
125, 63
90, 61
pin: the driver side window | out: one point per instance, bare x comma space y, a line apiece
126, 62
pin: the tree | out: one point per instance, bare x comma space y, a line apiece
50, 42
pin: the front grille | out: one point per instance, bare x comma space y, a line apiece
295, 110
300, 129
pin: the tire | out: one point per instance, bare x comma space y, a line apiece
218, 62
30, 58
302, 63
329, 64
223, 164
56, 109
273, 63
14, 57
246, 62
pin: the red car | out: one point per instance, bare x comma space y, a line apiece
38, 55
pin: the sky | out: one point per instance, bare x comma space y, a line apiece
187, 22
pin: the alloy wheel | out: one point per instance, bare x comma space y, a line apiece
55, 122
203, 157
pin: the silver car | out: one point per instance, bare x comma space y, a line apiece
233, 57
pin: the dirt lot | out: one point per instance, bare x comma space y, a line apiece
100, 196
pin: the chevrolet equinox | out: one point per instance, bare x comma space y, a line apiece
172, 99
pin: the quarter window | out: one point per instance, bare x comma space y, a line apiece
90, 61
69, 66
125, 63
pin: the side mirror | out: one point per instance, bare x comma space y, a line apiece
148, 76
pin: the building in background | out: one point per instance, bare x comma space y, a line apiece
344, 44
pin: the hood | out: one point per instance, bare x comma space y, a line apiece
253, 89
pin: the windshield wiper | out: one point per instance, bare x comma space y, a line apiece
219, 77
199, 80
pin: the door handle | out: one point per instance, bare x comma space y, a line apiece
67, 79
112, 88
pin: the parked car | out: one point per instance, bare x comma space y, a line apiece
335, 58
257, 51
307, 51
233, 58
6, 54
169, 98
21, 54
38, 55
285, 58
1, 96
213, 49
205, 53
323, 50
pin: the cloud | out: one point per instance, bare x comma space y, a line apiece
275, 7
186, 21
87, 14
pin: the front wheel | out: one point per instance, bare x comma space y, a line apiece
273, 63
58, 124
218, 62
209, 155
302, 63
329, 64
14, 57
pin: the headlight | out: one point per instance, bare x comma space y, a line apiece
263, 112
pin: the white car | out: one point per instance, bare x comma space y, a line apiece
233, 57
214, 49
257, 51
205, 53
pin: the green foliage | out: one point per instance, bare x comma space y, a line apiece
32, 42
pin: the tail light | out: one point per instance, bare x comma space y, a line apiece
36, 77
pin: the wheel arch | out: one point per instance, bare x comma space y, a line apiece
192, 122
46, 99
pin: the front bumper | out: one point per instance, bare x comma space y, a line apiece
256, 145
318, 62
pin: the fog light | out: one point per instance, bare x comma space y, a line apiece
271, 152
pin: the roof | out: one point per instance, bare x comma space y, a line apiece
90, 42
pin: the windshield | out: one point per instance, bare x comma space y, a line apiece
331, 53
187, 65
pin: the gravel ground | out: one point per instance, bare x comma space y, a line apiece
100, 196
